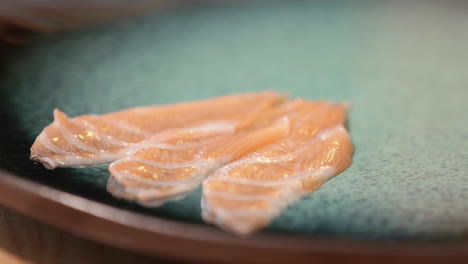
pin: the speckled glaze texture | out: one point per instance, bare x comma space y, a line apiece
402, 67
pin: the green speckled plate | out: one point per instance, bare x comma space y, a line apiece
402, 67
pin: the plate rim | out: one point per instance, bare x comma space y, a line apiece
137, 232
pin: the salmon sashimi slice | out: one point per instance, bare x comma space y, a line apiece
245, 195
160, 173
96, 139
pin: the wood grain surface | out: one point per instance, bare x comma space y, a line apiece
24, 240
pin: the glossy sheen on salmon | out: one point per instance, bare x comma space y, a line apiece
159, 173
96, 139
247, 194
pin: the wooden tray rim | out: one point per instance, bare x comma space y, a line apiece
186, 241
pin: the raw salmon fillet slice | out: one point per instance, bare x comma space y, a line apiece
96, 139
159, 172
253, 153
245, 195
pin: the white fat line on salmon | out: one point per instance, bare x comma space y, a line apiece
148, 197
157, 141
196, 163
44, 139
240, 221
152, 143
215, 126
326, 134
68, 157
219, 215
145, 145
197, 177
84, 162
245, 197
73, 139
128, 176
218, 127
223, 213
323, 172
277, 205
122, 125
103, 136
